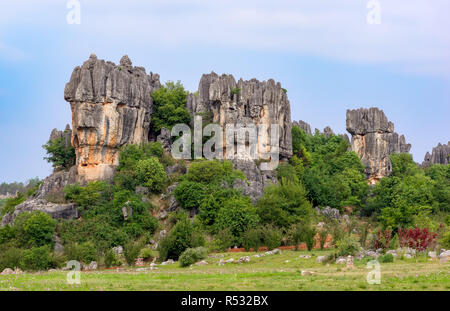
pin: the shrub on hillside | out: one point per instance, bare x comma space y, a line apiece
182, 236
11, 203
60, 153
303, 232
111, 259
190, 194
36, 259
271, 236
10, 258
419, 239
192, 255
386, 258
252, 239
35, 229
84, 252
238, 214
347, 246
131, 252
150, 173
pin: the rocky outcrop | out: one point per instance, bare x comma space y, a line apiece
327, 131
111, 106
303, 125
374, 139
57, 211
256, 181
227, 102
439, 155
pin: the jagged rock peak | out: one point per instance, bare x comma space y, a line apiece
111, 107
327, 131
303, 125
245, 101
374, 139
363, 121
97, 81
439, 155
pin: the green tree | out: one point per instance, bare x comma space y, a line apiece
60, 153
169, 104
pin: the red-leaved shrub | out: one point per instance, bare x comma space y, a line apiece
420, 239
383, 239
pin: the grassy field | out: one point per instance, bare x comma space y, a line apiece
274, 272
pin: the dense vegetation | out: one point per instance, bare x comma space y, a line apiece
321, 198
60, 153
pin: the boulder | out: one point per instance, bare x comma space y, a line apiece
7, 271
93, 265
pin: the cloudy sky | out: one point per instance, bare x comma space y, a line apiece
324, 52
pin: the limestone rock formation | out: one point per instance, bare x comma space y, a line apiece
226, 102
303, 125
256, 181
439, 155
245, 102
374, 139
111, 106
327, 131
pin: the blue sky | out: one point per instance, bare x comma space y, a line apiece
323, 52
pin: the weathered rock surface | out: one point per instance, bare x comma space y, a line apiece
256, 181
303, 125
374, 139
111, 106
327, 131
245, 102
439, 155
57, 211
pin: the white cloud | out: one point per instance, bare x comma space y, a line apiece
413, 34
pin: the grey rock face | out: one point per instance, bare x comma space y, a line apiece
55, 183
303, 125
256, 181
50, 189
57, 211
374, 139
245, 102
111, 106
439, 155
328, 131
165, 138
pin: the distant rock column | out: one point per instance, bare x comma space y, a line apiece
374, 139
439, 155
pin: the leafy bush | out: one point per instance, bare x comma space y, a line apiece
445, 241
11, 203
84, 252
238, 214
10, 258
60, 153
213, 172
386, 258
222, 241
347, 246
271, 236
150, 172
419, 239
7, 233
284, 204
190, 194
252, 239
111, 259
303, 232
93, 194
192, 255
131, 252
182, 236
35, 228
213, 201
36, 258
